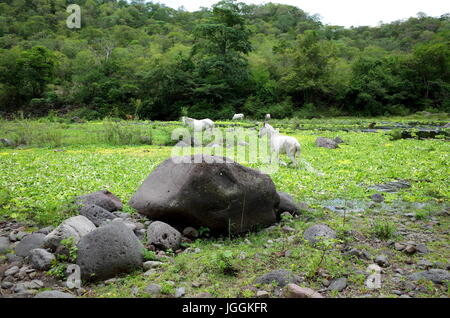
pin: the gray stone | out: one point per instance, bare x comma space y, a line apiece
377, 197
421, 248
280, 277
326, 143
13, 258
180, 292
96, 214
262, 294
12, 271
207, 191
53, 294
103, 198
76, 227
4, 245
190, 232
338, 284
438, 276
287, 204
153, 289
338, 140
358, 253
46, 230
151, 264
109, 250
294, 291
41, 259
163, 236
7, 285
17, 236
318, 232
423, 263
382, 260
28, 243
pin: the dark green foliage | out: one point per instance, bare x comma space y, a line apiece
132, 58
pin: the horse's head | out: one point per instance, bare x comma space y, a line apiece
265, 130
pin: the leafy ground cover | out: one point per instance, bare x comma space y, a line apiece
39, 180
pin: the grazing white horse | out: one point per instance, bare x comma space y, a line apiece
280, 143
267, 117
238, 116
198, 125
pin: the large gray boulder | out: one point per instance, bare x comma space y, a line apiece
75, 227
206, 191
28, 243
96, 214
103, 198
318, 232
163, 236
108, 251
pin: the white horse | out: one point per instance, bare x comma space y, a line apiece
238, 116
280, 143
267, 117
198, 125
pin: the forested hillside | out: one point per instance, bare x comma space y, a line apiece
145, 59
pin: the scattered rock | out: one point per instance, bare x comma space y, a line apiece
338, 140
163, 236
338, 284
262, 294
382, 261
46, 230
377, 197
4, 245
438, 276
317, 232
180, 292
399, 246
421, 248
96, 214
151, 264
410, 249
358, 253
28, 243
280, 277
41, 259
394, 186
423, 263
294, 291
75, 227
11, 271
326, 143
190, 232
103, 198
153, 289
200, 186
287, 204
108, 251
53, 294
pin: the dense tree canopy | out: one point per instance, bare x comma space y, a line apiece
148, 60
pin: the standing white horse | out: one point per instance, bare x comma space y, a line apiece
238, 116
280, 143
267, 117
198, 125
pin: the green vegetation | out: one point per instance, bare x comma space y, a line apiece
149, 61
